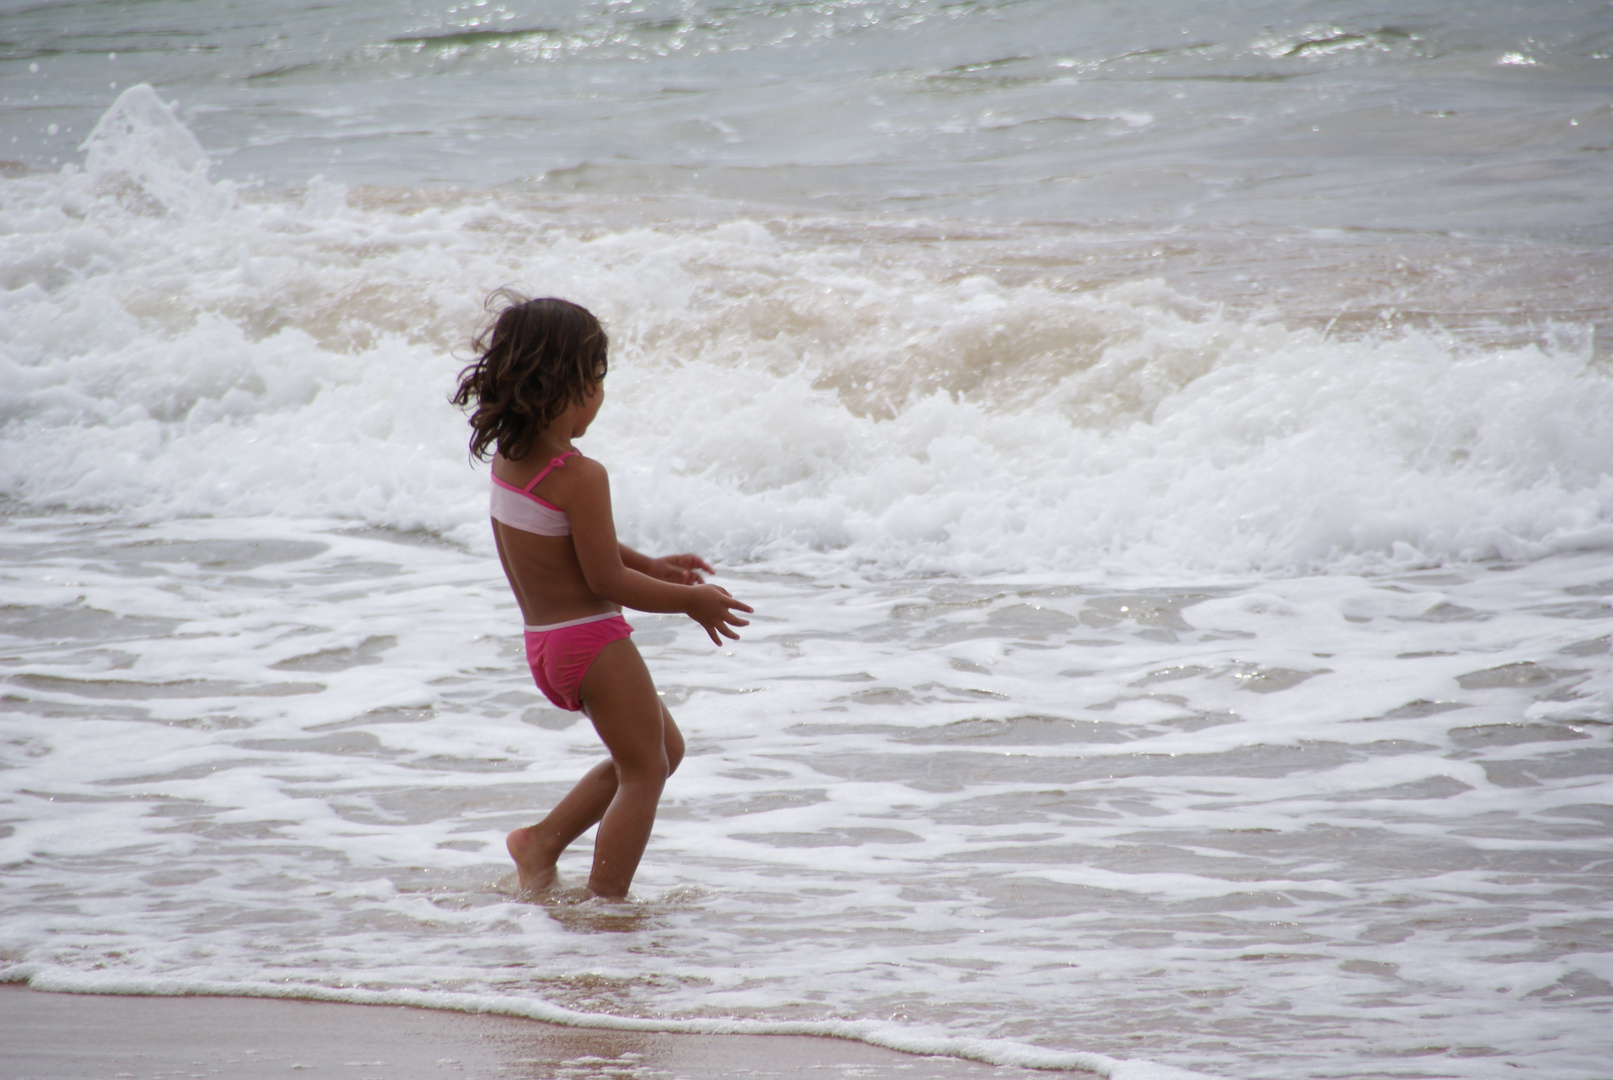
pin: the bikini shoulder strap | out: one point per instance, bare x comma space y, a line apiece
554, 463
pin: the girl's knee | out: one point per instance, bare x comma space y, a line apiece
648, 767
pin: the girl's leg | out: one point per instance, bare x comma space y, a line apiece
536, 848
620, 699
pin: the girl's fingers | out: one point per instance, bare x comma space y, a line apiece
720, 626
714, 629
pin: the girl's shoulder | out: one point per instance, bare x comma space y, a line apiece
579, 469
578, 483
542, 465
568, 472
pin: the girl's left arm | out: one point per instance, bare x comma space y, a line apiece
679, 569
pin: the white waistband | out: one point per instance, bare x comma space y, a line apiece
573, 622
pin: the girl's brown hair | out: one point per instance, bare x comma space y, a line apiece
535, 358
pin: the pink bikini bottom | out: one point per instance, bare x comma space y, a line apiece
561, 653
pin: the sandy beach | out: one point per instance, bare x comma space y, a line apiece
101, 1037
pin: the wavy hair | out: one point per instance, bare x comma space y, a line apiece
535, 358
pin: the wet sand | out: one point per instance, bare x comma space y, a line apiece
104, 1037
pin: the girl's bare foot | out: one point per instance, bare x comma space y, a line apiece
534, 859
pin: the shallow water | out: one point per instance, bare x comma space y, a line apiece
1328, 824
1171, 471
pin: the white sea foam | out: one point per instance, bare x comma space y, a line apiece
175, 347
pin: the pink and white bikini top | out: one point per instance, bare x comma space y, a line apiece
520, 509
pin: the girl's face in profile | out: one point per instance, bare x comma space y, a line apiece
588, 408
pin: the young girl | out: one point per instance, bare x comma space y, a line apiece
537, 385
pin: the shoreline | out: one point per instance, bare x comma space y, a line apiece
66, 1036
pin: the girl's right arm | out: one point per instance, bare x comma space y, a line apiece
586, 495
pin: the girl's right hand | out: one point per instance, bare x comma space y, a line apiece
713, 608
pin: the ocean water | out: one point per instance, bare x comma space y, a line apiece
1168, 453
